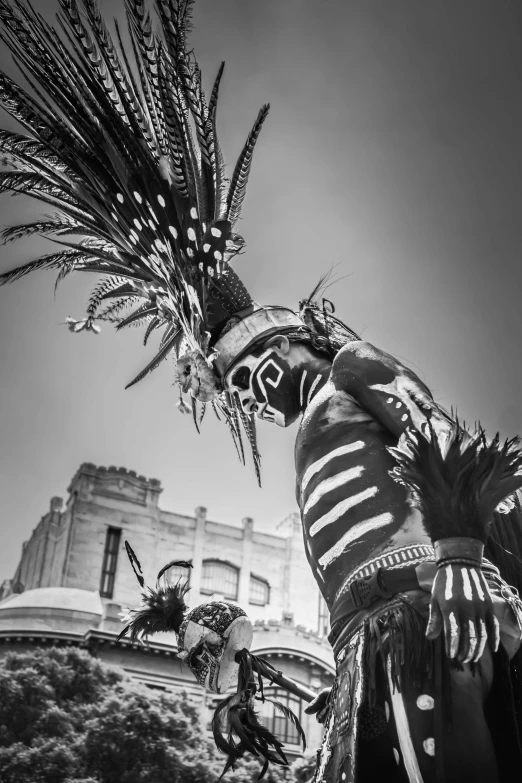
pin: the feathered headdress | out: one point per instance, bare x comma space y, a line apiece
122, 147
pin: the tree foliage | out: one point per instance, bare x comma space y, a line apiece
67, 718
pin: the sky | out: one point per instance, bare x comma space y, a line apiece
393, 150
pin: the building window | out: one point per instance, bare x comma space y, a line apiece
110, 561
219, 577
274, 719
323, 621
259, 592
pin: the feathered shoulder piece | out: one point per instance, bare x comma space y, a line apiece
458, 484
120, 145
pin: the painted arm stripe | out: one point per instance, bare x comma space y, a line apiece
330, 484
341, 508
301, 387
352, 535
315, 467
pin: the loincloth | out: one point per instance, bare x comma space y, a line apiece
391, 633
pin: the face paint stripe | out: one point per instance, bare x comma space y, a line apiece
448, 594
352, 535
315, 467
313, 387
478, 586
329, 484
341, 508
468, 592
301, 388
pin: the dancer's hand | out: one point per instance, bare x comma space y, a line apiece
461, 606
320, 705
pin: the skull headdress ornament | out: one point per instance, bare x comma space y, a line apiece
209, 636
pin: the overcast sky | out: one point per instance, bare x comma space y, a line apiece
393, 149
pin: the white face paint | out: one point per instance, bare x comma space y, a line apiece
266, 386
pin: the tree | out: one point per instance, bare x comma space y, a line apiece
67, 718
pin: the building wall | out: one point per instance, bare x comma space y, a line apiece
66, 548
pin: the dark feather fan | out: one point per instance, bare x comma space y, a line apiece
457, 485
162, 609
122, 146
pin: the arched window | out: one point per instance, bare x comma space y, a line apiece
259, 592
274, 719
219, 577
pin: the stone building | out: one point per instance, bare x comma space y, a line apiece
74, 579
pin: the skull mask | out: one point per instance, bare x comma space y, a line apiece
208, 640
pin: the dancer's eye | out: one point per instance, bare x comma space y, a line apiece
241, 378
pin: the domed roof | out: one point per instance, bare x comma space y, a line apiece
65, 598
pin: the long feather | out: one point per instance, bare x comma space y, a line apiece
107, 142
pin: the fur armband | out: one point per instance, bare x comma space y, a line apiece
458, 483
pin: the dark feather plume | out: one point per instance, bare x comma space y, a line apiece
236, 726
122, 145
458, 485
162, 609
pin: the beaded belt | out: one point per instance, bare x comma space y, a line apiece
396, 558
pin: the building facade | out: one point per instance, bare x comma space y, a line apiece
74, 579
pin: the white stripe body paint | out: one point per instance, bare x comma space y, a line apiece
448, 594
478, 586
472, 642
497, 633
482, 641
468, 592
454, 635
329, 484
315, 467
313, 387
301, 387
403, 731
341, 508
352, 535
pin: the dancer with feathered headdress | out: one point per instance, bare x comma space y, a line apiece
400, 504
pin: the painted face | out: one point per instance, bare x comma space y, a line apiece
266, 386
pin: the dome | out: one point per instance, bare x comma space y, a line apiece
55, 598
64, 609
